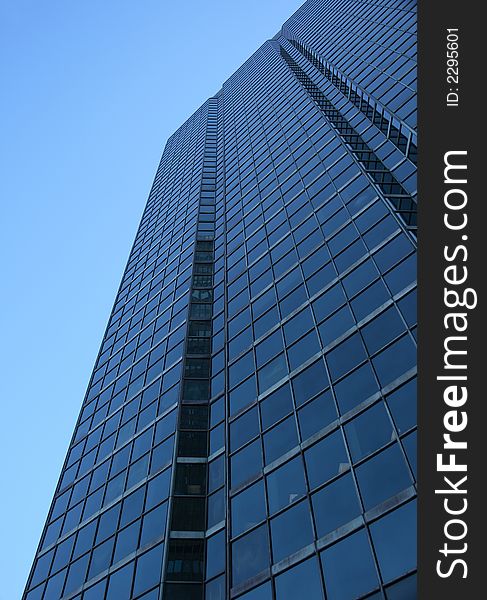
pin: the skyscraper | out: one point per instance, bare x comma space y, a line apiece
249, 428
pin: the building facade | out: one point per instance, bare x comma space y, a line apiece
249, 428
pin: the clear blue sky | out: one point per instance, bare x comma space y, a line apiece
90, 92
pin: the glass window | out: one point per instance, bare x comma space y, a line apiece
299, 324
188, 514
328, 302
403, 405
55, 585
395, 360
393, 252
215, 590
275, 370
266, 322
194, 417
404, 589
349, 568
76, 575
217, 440
309, 382
250, 555
101, 558
317, 414
215, 554
216, 508
280, 439
42, 568
217, 411
240, 343
303, 350
127, 541
137, 471
191, 443
275, 406
370, 299
244, 429
263, 592
154, 524
293, 301
336, 325
184, 561
382, 329
320, 470
360, 277
241, 369
108, 523
162, 455
242, 396
96, 592
321, 278
216, 473
246, 463
335, 505
63, 554
291, 531
158, 489
286, 484
394, 538
120, 583
248, 508
383, 476
408, 308
302, 581
410, 444
269, 347
355, 388
148, 572
369, 431
345, 356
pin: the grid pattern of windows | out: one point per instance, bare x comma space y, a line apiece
385, 181
249, 428
396, 131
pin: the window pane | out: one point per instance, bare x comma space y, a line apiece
215, 554
395, 360
250, 555
402, 403
148, 571
272, 373
275, 406
311, 381
244, 429
286, 484
335, 505
355, 388
345, 356
302, 581
246, 463
369, 431
383, 476
317, 414
291, 531
349, 568
263, 592
320, 469
248, 508
154, 524
394, 538
120, 583
280, 439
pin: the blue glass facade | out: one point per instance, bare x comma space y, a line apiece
249, 428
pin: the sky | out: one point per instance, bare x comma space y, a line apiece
91, 90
